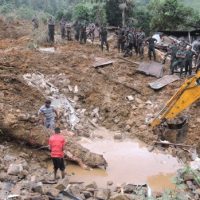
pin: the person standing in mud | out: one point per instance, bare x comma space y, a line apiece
151, 43
56, 146
62, 27
51, 29
47, 115
103, 34
35, 23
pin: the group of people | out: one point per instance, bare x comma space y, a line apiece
181, 57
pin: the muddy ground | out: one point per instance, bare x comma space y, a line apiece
101, 92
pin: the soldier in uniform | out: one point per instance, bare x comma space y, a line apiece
180, 60
83, 34
77, 27
51, 29
69, 32
188, 60
91, 33
35, 23
151, 43
103, 38
140, 43
62, 27
129, 44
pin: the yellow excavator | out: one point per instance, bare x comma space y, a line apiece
187, 94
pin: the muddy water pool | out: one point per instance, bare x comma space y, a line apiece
129, 161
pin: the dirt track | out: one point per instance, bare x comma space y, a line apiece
105, 88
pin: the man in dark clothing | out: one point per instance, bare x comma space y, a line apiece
151, 43
119, 34
129, 44
56, 145
103, 38
83, 36
69, 32
35, 23
180, 60
51, 29
188, 61
77, 28
140, 43
62, 27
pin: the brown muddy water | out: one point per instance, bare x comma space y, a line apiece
129, 161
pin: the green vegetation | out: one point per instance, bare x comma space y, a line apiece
150, 15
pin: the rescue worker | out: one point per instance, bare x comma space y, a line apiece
119, 34
77, 27
140, 43
51, 29
151, 44
69, 32
83, 35
47, 115
56, 146
188, 60
103, 38
62, 27
180, 60
129, 44
91, 33
35, 23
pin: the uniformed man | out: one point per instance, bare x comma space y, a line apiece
69, 32
151, 44
91, 33
62, 27
103, 38
129, 44
188, 60
35, 23
51, 29
140, 43
180, 60
77, 27
83, 34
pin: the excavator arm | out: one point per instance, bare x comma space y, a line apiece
187, 94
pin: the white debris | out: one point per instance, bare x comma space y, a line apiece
130, 98
59, 100
195, 164
47, 50
76, 89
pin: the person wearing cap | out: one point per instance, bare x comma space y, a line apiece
56, 146
48, 112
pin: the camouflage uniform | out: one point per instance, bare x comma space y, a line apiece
51, 29
151, 41
62, 27
188, 61
103, 37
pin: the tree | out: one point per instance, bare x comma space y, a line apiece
169, 15
81, 12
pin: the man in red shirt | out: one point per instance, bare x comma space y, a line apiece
56, 145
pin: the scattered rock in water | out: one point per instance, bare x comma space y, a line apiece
102, 194
118, 136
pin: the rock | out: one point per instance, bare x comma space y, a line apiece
75, 190
13, 197
91, 185
129, 188
130, 98
15, 169
62, 185
139, 101
116, 120
127, 128
189, 184
109, 182
38, 187
188, 177
53, 192
87, 194
197, 191
102, 194
119, 197
143, 127
118, 136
